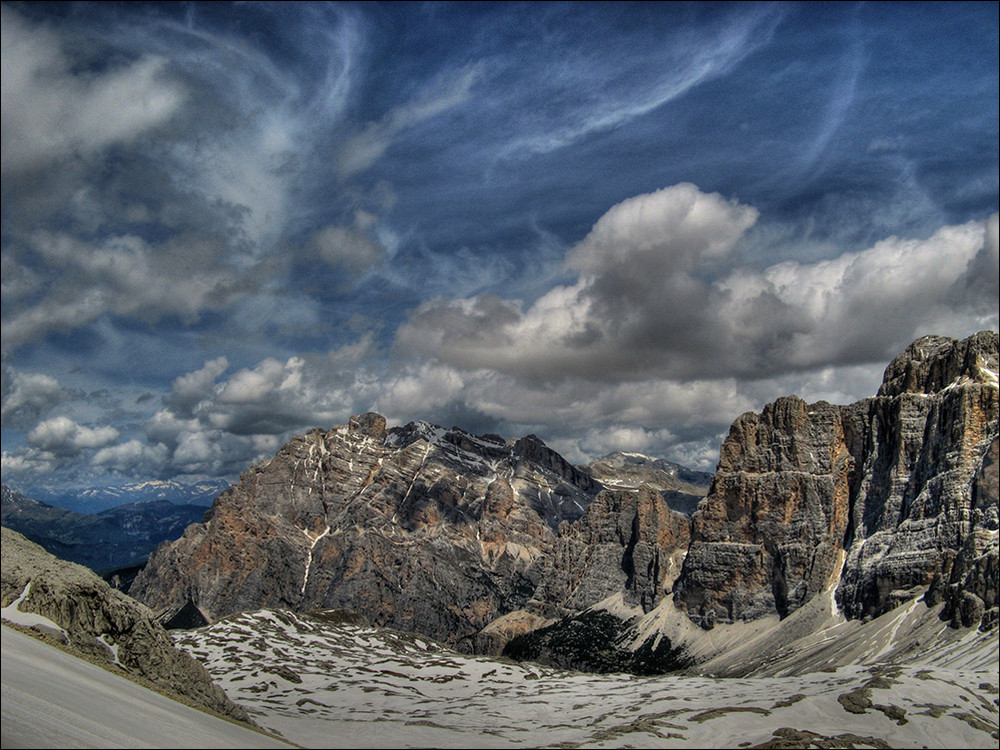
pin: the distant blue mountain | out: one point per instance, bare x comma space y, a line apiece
97, 499
114, 538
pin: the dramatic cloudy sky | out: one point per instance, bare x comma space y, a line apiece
617, 226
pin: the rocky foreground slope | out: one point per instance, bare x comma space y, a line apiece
476, 540
75, 607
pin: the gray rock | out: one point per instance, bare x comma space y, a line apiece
902, 487
417, 528
95, 616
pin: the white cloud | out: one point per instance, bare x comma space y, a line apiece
133, 458
658, 233
123, 275
637, 297
187, 391
262, 382
659, 296
28, 393
50, 111
29, 464
858, 306
422, 390
63, 436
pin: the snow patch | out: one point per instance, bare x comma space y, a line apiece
365, 687
112, 647
13, 613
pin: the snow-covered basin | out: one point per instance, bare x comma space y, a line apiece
324, 685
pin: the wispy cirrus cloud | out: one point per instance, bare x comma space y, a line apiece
446, 92
599, 89
611, 225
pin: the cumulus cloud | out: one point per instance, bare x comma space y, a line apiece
191, 389
856, 307
51, 110
659, 295
638, 295
133, 457
26, 463
64, 437
123, 275
25, 395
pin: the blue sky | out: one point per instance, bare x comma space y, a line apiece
617, 226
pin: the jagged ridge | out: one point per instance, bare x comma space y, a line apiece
895, 496
474, 539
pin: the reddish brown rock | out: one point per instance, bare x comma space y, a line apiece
418, 528
900, 487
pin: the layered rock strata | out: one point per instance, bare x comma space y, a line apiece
473, 540
418, 528
890, 498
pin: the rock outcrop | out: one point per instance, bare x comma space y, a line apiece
475, 540
891, 498
682, 488
628, 542
101, 622
418, 528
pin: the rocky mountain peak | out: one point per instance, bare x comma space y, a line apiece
369, 424
887, 499
419, 527
471, 538
933, 363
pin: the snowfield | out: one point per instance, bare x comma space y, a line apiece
54, 700
321, 684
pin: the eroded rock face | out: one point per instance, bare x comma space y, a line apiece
682, 488
628, 542
419, 528
770, 533
925, 507
442, 532
894, 495
103, 622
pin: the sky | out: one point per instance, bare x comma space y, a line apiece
616, 226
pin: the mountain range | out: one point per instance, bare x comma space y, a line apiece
116, 538
90, 500
476, 541
357, 588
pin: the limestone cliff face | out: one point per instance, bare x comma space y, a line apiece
769, 535
628, 542
418, 528
473, 539
925, 508
894, 496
